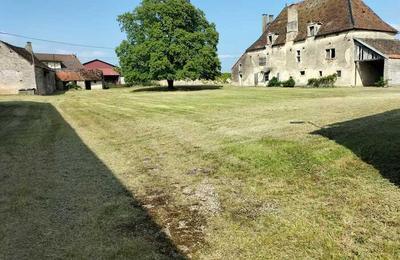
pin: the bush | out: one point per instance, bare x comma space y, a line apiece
382, 83
224, 78
324, 82
72, 85
274, 82
290, 83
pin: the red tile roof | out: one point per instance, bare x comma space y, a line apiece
79, 75
107, 68
334, 15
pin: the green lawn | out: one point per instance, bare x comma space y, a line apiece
226, 173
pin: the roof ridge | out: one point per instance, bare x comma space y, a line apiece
351, 13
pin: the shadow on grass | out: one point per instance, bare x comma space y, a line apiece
59, 200
179, 88
375, 139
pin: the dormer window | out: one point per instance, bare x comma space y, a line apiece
313, 29
271, 38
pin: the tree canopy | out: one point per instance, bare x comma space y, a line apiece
168, 40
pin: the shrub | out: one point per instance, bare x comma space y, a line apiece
72, 85
382, 83
224, 78
274, 82
324, 82
290, 83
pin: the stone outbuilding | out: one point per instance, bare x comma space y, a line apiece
316, 38
21, 71
70, 70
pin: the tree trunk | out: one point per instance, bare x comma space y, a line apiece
170, 84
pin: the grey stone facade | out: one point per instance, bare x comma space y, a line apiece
19, 70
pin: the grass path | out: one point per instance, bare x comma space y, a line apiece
220, 174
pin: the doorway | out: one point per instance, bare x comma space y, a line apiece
370, 72
88, 85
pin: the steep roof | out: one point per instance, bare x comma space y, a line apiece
391, 48
26, 55
70, 61
334, 16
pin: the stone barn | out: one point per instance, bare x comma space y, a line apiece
69, 69
21, 71
316, 38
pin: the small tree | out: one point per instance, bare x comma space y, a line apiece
168, 40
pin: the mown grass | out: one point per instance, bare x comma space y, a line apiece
226, 173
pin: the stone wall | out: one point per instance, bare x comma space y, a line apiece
392, 72
45, 81
15, 72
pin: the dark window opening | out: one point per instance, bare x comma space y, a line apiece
320, 74
298, 56
312, 30
330, 54
262, 61
339, 73
302, 73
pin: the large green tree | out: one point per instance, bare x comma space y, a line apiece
168, 40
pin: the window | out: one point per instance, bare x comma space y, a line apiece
298, 56
320, 73
312, 30
270, 39
302, 73
266, 76
339, 73
262, 61
330, 54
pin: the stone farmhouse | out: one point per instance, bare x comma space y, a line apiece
21, 71
68, 69
316, 38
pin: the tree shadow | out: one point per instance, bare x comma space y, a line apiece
375, 139
179, 88
59, 200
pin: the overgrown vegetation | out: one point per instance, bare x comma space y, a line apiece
382, 83
323, 82
274, 82
73, 86
224, 78
234, 173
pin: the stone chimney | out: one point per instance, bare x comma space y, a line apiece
271, 18
28, 47
265, 21
293, 22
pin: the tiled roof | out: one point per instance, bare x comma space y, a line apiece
26, 55
391, 48
79, 75
70, 61
334, 16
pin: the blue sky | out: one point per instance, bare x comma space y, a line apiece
93, 22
